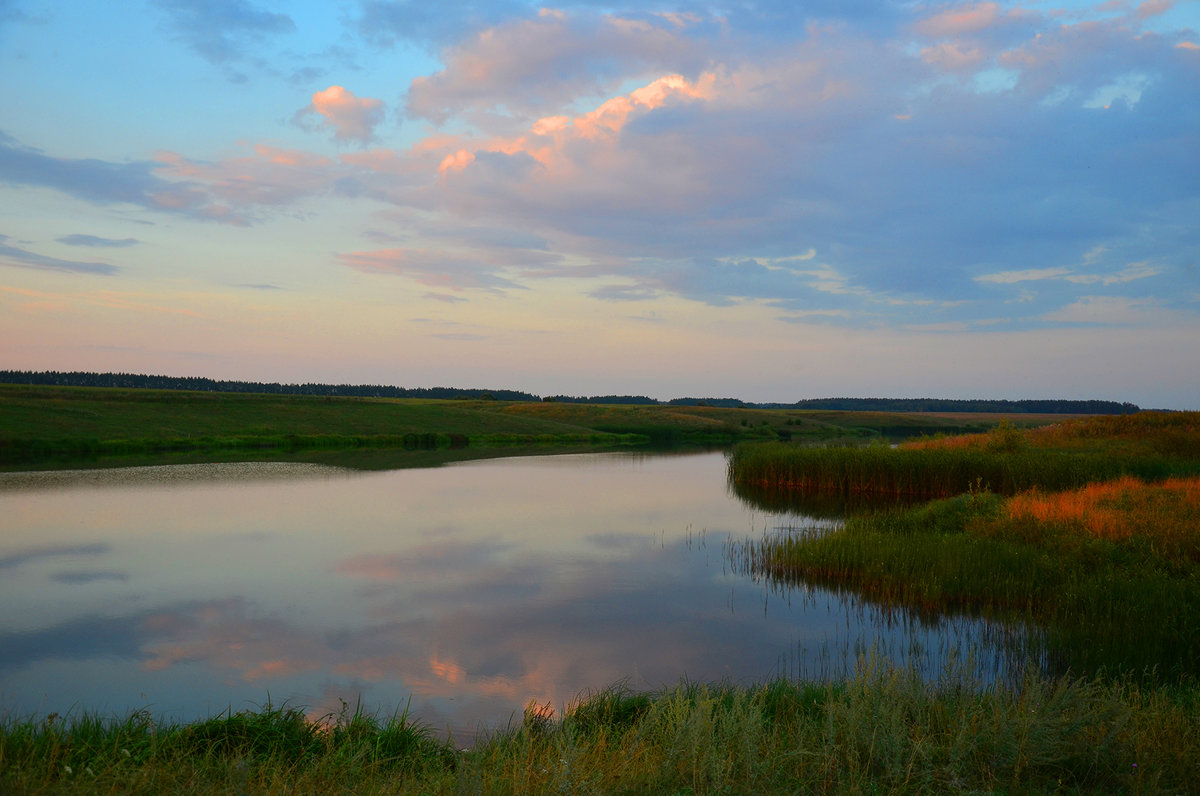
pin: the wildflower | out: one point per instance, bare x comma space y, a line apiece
68, 770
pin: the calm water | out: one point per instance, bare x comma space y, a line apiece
472, 588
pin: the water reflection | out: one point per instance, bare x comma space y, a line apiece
474, 588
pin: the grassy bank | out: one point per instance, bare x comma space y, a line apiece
1149, 445
44, 426
882, 731
1107, 562
1111, 570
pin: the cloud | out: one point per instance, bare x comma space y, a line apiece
69, 551
105, 182
84, 638
20, 258
9, 14
1105, 311
350, 118
265, 178
385, 22
98, 242
437, 269
1130, 273
966, 18
76, 578
1153, 8
898, 159
445, 298
222, 31
938, 158
1027, 275
530, 66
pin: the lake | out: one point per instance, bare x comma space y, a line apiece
463, 592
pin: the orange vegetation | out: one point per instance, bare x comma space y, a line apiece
957, 442
1166, 513
1173, 434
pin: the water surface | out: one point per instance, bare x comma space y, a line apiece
471, 589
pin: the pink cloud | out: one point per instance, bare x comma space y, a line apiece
436, 269
1154, 8
613, 114
351, 118
959, 20
547, 140
953, 56
269, 176
527, 66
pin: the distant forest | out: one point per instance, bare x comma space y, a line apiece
137, 380
133, 380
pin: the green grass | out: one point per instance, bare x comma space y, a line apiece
44, 426
882, 731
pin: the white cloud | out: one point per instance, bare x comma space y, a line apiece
1027, 275
1105, 311
1129, 273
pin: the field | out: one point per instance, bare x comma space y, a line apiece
61, 426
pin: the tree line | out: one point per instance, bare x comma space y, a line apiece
201, 384
970, 405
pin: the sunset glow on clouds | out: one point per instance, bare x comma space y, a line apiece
772, 202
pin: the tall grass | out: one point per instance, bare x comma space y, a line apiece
883, 730
941, 472
1005, 460
274, 749
1111, 570
1168, 434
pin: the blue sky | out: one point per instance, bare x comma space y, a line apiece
770, 201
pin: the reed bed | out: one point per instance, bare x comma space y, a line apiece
1111, 570
942, 472
884, 730
1005, 460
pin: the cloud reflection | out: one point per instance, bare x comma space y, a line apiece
472, 590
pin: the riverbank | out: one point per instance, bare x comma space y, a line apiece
1097, 538
881, 731
79, 426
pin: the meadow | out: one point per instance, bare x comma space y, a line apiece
43, 426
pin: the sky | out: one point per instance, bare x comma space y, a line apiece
764, 199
